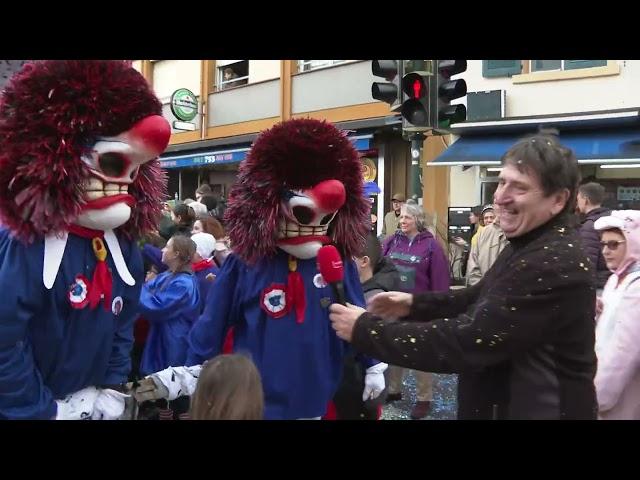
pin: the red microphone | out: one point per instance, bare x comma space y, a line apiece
332, 270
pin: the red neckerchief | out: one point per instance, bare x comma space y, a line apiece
101, 285
295, 290
202, 264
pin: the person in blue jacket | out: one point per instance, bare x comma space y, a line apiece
79, 182
171, 303
299, 188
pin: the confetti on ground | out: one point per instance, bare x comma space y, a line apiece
443, 407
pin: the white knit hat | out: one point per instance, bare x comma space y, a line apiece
198, 208
205, 244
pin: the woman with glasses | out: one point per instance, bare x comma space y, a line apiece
617, 378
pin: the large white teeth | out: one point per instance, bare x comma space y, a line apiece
93, 195
94, 184
96, 188
291, 230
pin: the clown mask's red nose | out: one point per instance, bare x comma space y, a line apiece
153, 132
329, 195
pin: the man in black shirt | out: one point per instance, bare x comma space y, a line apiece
522, 339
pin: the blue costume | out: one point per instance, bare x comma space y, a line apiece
52, 343
300, 362
171, 303
206, 272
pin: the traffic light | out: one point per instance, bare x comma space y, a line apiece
444, 90
416, 86
390, 91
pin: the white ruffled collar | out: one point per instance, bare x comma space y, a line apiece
54, 246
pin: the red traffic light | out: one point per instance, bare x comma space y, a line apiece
414, 85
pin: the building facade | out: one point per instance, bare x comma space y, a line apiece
236, 99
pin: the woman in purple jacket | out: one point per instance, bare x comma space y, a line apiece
423, 267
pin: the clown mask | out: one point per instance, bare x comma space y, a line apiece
306, 217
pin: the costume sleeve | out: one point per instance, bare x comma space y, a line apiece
499, 325
120, 360
22, 392
222, 309
621, 359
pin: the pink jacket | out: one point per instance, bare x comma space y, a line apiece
617, 379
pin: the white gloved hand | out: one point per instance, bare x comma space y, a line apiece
374, 381
179, 381
109, 405
78, 405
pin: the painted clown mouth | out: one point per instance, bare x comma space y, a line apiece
101, 195
291, 233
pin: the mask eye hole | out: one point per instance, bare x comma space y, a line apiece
304, 215
112, 164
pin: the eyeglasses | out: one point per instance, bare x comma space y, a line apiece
612, 244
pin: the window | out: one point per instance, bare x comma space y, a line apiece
501, 68
307, 65
232, 73
549, 65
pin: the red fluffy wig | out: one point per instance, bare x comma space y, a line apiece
50, 113
295, 154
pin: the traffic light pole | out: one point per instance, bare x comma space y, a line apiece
417, 141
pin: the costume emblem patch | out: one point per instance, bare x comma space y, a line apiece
116, 305
79, 292
273, 300
318, 281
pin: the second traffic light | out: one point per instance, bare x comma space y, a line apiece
444, 90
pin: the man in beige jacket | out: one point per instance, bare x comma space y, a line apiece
491, 241
392, 218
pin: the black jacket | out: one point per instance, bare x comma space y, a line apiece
591, 244
348, 398
385, 278
522, 339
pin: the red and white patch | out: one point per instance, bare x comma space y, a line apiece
273, 300
116, 305
78, 293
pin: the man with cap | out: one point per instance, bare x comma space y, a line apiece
392, 218
489, 244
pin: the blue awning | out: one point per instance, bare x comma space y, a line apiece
221, 157
589, 146
361, 142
